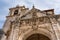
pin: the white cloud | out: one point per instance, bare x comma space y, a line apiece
40, 4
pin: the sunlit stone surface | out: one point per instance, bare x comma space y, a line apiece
31, 24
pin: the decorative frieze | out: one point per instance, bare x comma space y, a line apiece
34, 20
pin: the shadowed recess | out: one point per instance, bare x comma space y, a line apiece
37, 37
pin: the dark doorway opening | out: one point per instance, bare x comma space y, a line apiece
37, 37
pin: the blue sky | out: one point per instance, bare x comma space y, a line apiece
39, 4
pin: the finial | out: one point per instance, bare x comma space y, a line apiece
33, 6
17, 6
23, 6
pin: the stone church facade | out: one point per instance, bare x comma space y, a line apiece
31, 24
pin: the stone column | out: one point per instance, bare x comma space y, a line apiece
3, 37
16, 29
55, 27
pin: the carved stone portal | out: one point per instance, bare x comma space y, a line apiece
31, 24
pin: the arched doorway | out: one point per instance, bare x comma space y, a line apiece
37, 37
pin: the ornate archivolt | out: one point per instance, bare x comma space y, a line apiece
24, 28
45, 32
35, 26
40, 30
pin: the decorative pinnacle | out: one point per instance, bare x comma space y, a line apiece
17, 6
33, 6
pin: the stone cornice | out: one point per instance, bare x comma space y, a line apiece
39, 20
50, 16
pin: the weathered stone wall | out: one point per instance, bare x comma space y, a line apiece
24, 24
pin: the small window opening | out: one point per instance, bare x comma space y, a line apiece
15, 12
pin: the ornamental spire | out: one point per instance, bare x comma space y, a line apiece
33, 6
